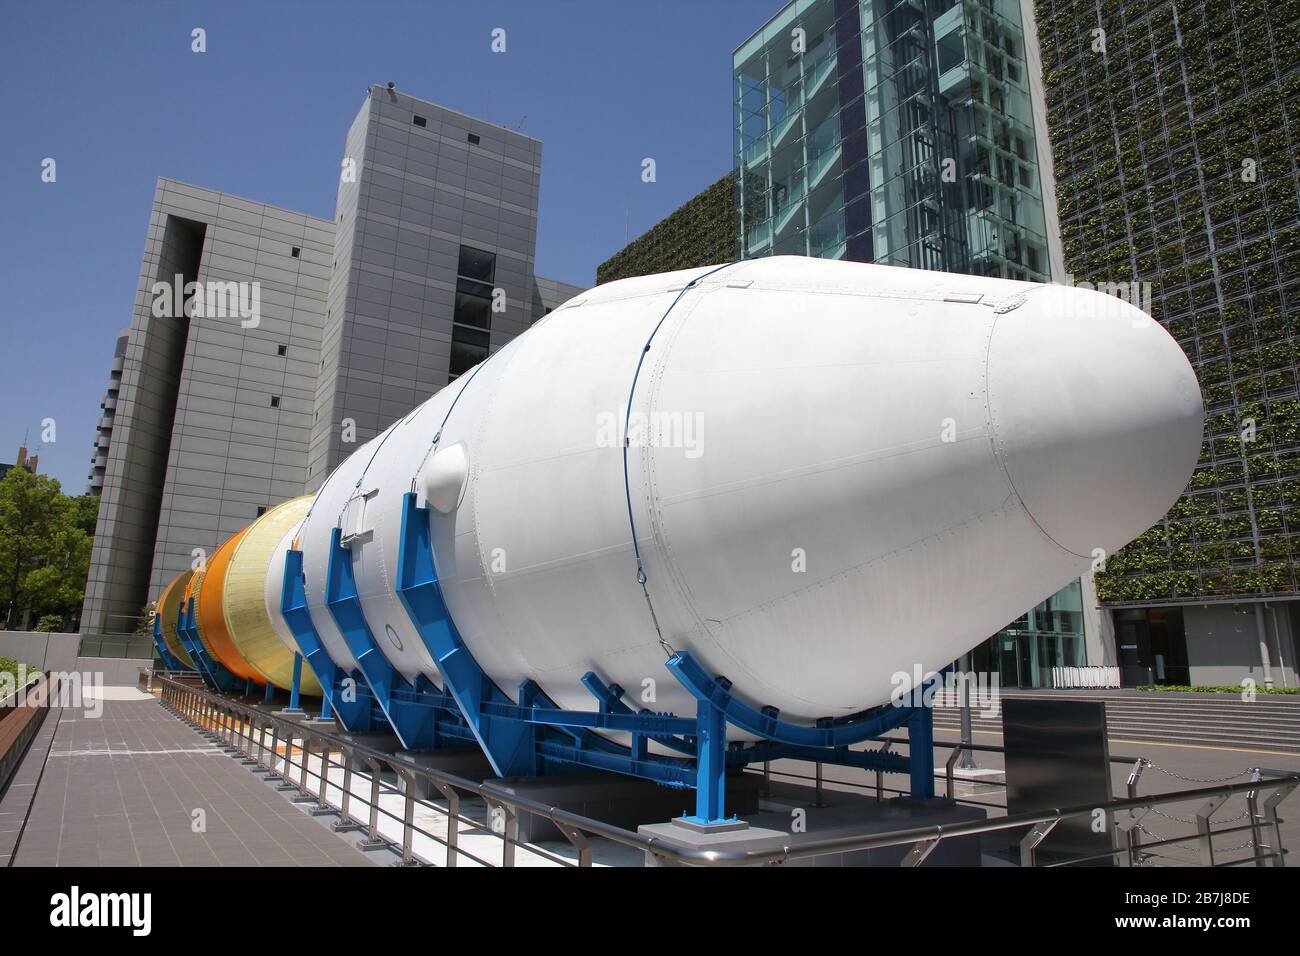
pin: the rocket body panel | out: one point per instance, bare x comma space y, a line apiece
273, 589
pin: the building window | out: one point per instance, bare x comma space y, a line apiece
472, 317
281, 349
295, 252
473, 139
476, 264
275, 401
474, 275
420, 121
261, 510
468, 348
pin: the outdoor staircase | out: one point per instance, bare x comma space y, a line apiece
1214, 720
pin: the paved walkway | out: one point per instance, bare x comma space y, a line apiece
125, 789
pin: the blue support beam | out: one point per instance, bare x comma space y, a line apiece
214, 672
353, 708
295, 685
268, 693
920, 751
414, 721
766, 723
534, 735
510, 745
710, 764
610, 697
169, 660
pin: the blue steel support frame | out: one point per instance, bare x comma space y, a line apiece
510, 745
411, 711
295, 685
533, 734
170, 660
214, 673
354, 714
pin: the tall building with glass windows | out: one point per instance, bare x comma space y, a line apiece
425, 268
891, 131
903, 132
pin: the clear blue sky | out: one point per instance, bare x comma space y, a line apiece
112, 91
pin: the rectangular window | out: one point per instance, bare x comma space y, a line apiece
473, 139
476, 264
281, 349
472, 317
261, 510
471, 308
275, 401
295, 252
420, 121
468, 348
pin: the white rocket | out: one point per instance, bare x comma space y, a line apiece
812, 475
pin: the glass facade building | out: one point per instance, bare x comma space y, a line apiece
901, 132
891, 131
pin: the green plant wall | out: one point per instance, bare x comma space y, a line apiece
1175, 157
702, 232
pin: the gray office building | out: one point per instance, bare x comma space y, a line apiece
266, 344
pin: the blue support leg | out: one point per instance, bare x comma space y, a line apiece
510, 744
169, 660
920, 747
297, 682
213, 672
326, 713
711, 764
412, 715
353, 713
269, 695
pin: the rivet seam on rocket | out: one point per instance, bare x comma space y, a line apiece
627, 486
999, 451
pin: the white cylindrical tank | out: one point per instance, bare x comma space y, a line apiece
837, 472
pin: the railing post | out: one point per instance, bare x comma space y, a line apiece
273, 773
1271, 819
579, 841
1205, 829
408, 812
345, 821
322, 805
1252, 809
453, 820
1033, 839
372, 839
1134, 835
510, 834
306, 753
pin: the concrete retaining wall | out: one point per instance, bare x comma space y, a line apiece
60, 652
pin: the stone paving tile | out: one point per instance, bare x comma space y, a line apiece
122, 790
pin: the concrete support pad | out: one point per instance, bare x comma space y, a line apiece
467, 762
790, 819
622, 801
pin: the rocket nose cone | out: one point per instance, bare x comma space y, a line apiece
1096, 415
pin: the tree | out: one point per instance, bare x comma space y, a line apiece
44, 548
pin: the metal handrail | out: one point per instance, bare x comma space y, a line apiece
207, 710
